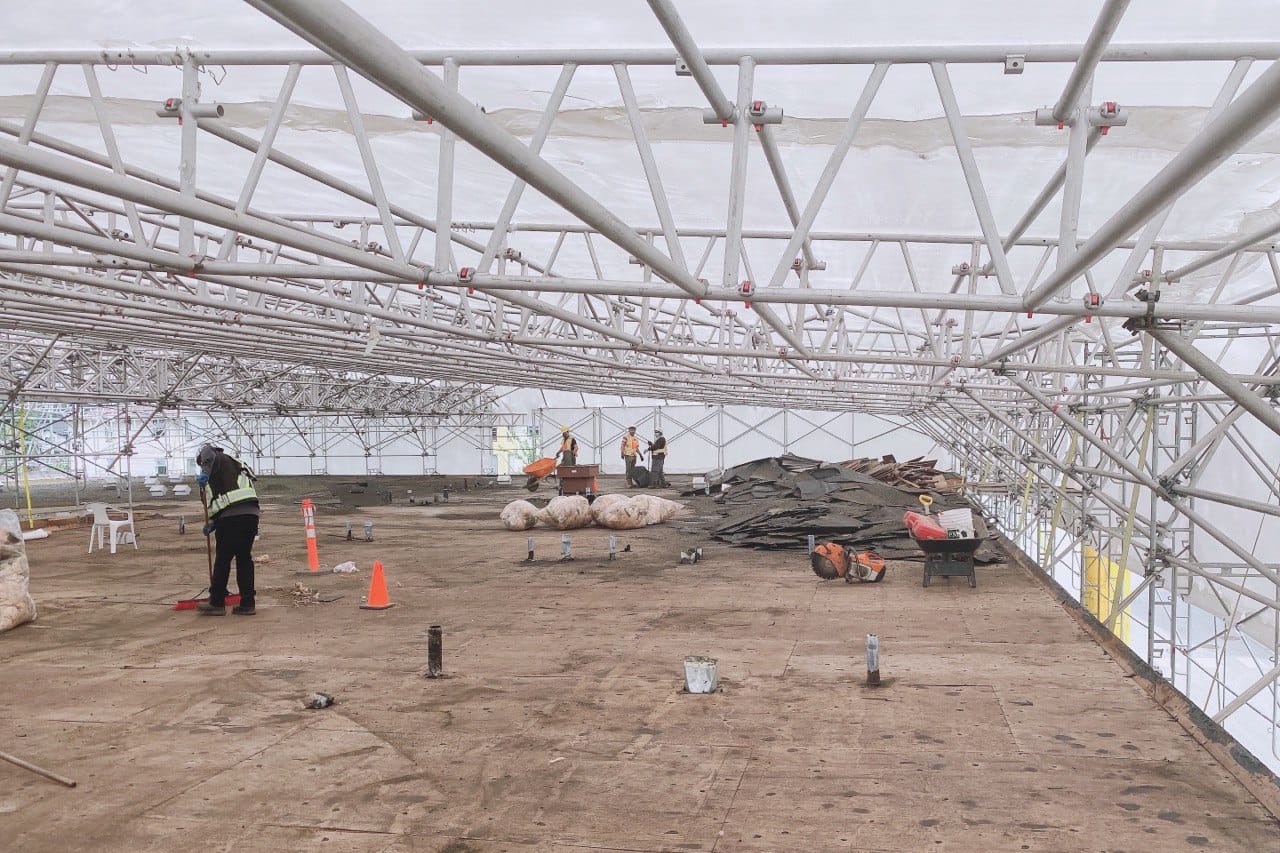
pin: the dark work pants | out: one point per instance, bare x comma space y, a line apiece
233, 538
656, 477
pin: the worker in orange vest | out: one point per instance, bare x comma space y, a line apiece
568, 453
630, 451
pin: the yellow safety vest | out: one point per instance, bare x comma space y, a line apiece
243, 491
567, 443
630, 445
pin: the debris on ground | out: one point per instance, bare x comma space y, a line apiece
300, 594
916, 475
317, 701
303, 595
346, 568
778, 502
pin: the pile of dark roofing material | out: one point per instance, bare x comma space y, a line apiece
915, 475
778, 502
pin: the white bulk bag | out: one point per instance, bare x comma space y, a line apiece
16, 604
519, 515
566, 512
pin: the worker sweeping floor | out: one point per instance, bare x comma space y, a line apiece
559, 722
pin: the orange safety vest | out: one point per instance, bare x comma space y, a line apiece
630, 445
567, 444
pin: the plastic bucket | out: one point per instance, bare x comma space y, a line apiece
700, 674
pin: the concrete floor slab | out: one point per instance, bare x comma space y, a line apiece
561, 725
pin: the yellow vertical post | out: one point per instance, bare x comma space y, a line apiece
22, 458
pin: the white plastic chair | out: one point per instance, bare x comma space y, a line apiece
103, 522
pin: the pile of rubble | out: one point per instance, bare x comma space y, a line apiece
778, 502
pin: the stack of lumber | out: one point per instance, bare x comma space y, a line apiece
915, 475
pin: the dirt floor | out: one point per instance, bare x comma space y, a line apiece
561, 724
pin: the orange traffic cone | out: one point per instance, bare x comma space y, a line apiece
378, 598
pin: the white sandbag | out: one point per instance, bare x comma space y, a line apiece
519, 515
624, 514
16, 604
566, 512
657, 510
603, 503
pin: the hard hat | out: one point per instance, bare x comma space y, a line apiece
564, 429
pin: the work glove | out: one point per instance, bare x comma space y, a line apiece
208, 528
202, 479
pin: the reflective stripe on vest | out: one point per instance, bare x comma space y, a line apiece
630, 445
243, 491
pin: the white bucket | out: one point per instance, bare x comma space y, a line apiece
957, 522
700, 674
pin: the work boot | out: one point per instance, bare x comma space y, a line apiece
211, 609
244, 610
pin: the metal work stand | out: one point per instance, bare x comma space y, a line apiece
949, 558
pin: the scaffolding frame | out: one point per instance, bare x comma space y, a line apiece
1085, 405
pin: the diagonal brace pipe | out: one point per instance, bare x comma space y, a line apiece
1246, 117
350, 39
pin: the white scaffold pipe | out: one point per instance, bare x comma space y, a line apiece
349, 38
1246, 117
911, 54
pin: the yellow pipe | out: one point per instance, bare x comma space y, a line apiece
22, 455
1121, 578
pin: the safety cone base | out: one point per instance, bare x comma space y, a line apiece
377, 606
